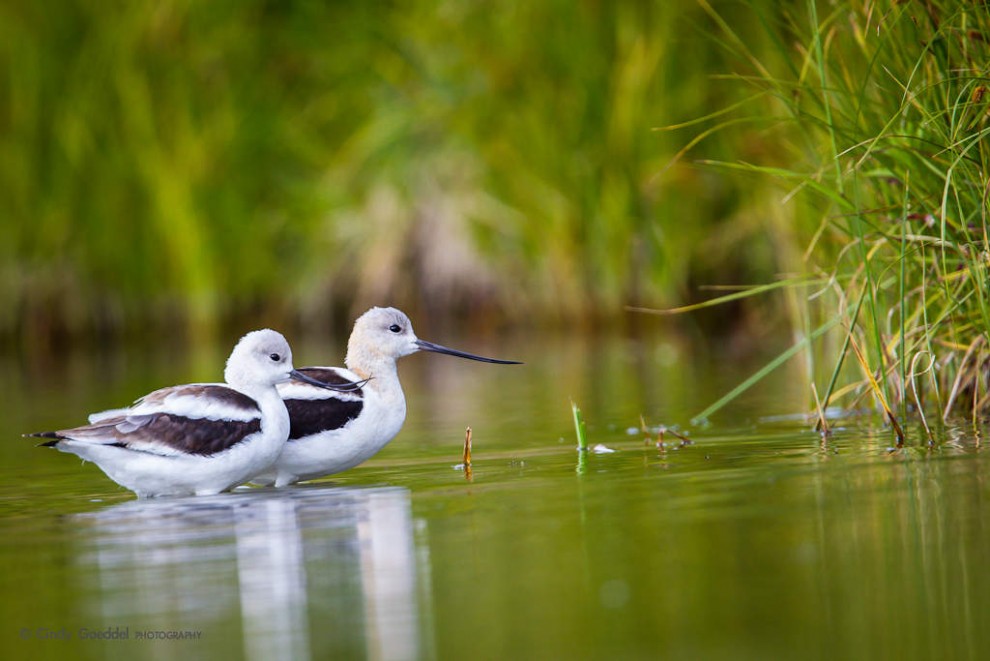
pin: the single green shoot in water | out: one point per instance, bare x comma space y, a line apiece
579, 429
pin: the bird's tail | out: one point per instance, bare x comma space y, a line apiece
46, 434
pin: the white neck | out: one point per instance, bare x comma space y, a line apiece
381, 369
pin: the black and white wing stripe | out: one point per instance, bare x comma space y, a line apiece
314, 410
198, 419
213, 401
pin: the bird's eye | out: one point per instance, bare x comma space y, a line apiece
275, 357
395, 328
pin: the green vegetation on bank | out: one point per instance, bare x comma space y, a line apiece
883, 112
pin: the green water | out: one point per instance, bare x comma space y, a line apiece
754, 542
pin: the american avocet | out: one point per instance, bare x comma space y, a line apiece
201, 438
333, 431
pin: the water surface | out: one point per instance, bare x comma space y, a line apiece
755, 541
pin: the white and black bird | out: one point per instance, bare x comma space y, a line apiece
201, 438
333, 431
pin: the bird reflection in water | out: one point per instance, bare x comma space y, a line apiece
297, 573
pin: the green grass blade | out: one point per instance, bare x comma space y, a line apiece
764, 371
747, 292
579, 428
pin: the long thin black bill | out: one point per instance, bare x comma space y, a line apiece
340, 387
429, 346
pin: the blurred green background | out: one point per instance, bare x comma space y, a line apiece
182, 165
193, 170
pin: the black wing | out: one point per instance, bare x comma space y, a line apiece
314, 410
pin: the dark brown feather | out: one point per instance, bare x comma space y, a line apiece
330, 376
199, 436
312, 416
206, 391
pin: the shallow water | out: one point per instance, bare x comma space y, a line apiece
755, 541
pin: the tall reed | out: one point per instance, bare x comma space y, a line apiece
882, 115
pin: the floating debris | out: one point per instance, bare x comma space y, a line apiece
601, 449
667, 430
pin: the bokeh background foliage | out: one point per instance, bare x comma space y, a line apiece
187, 165
181, 163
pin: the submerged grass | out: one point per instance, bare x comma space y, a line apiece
888, 108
